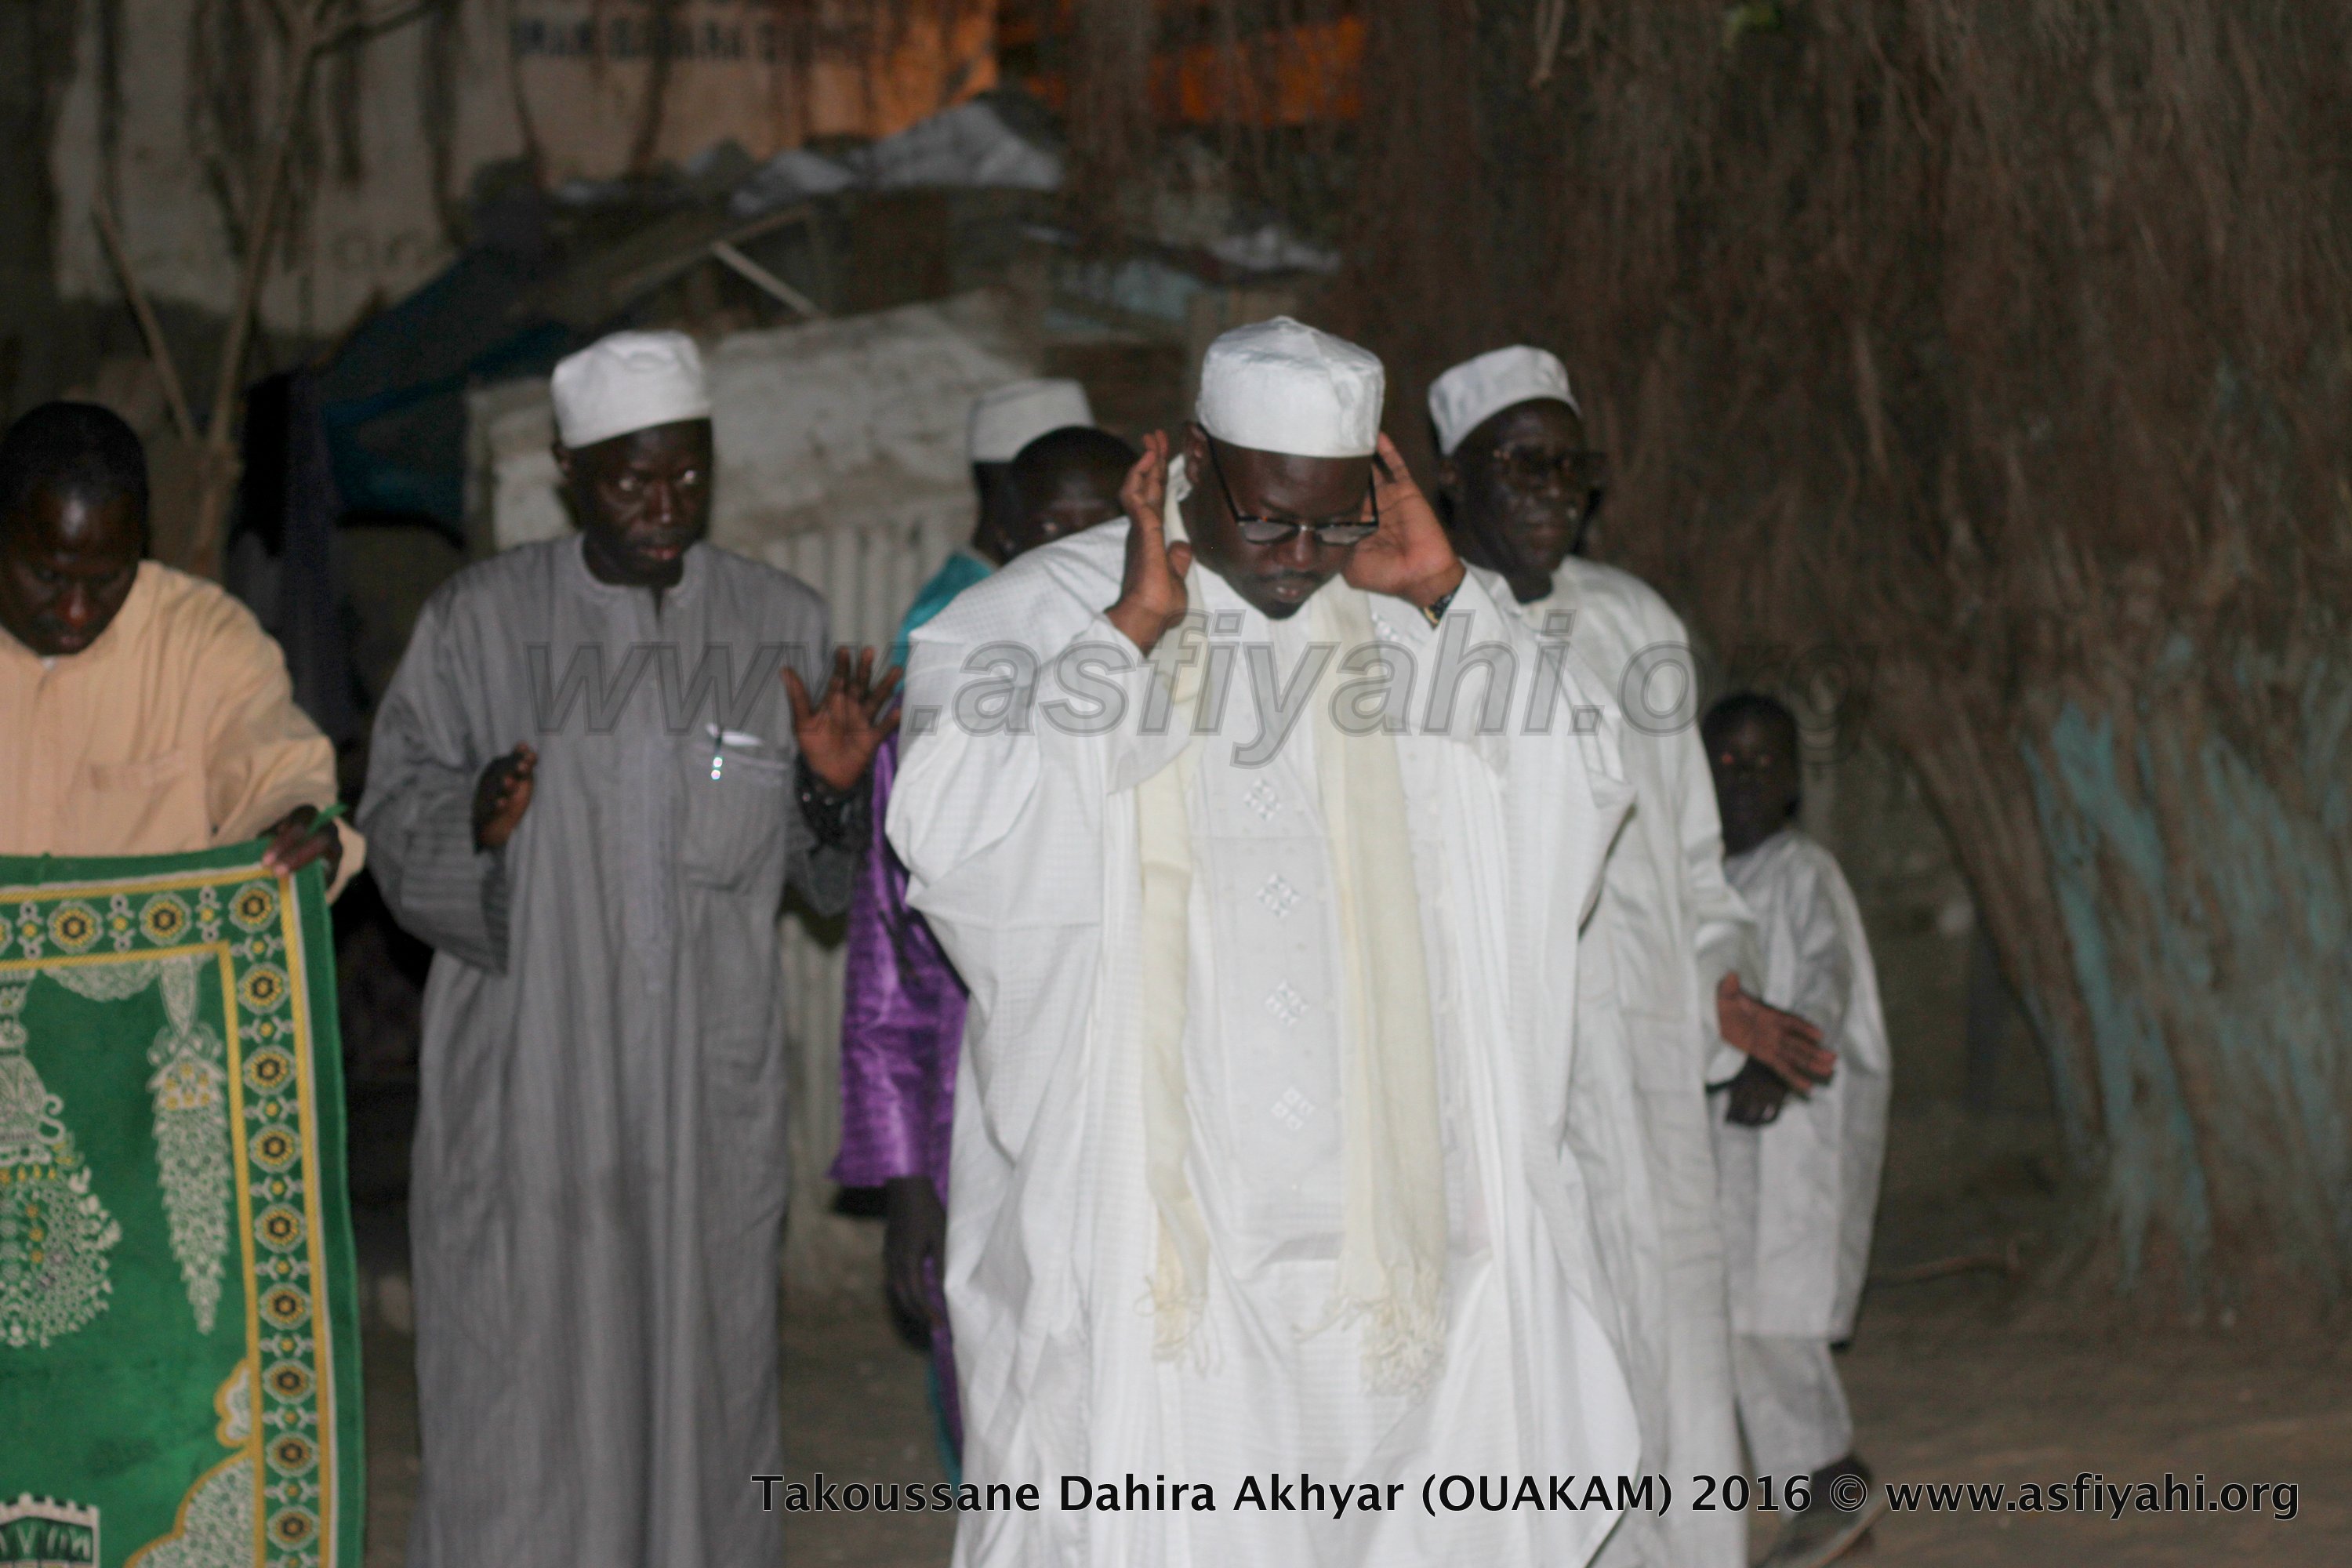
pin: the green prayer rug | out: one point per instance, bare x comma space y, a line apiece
179, 1331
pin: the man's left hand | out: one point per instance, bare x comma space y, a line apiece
914, 1247
841, 731
1410, 558
293, 846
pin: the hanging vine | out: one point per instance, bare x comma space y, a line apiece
2001, 349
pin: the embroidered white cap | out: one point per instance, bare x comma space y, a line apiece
1009, 418
1283, 386
1477, 389
629, 381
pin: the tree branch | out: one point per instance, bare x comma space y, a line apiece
167, 371
366, 29
212, 513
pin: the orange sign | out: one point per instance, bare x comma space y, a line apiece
604, 85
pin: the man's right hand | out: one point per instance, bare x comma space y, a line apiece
1152, 596
502, 797
914, 1246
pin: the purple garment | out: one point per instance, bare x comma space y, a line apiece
902, 1030
901, 1022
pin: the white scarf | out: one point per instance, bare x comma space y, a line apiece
1391, 1275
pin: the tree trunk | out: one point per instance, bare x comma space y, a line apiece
2011, 355
2172, 898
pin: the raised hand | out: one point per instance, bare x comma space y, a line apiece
502, 796
293, 845
1152, 596
1411, 558
841, 731
1783, 1042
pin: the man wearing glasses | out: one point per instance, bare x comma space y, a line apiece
1659, 987
1262, 1216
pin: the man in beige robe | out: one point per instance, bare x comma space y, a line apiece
143, 710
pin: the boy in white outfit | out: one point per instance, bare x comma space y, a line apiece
1798, 1176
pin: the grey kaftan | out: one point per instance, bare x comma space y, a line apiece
599, 1186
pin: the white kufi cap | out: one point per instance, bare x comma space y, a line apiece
1005, 420
1477, 389
629, 381
1282, 386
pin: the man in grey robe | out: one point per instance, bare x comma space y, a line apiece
591, 788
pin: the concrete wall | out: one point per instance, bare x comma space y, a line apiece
401, 123
34, 39
374, 228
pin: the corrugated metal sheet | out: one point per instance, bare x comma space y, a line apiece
869, 575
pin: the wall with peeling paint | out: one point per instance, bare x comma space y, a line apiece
2207, 908
408, 116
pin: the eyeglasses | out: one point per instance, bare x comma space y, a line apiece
1276, 531
1579, 471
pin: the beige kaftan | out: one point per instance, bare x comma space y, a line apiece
175, 730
